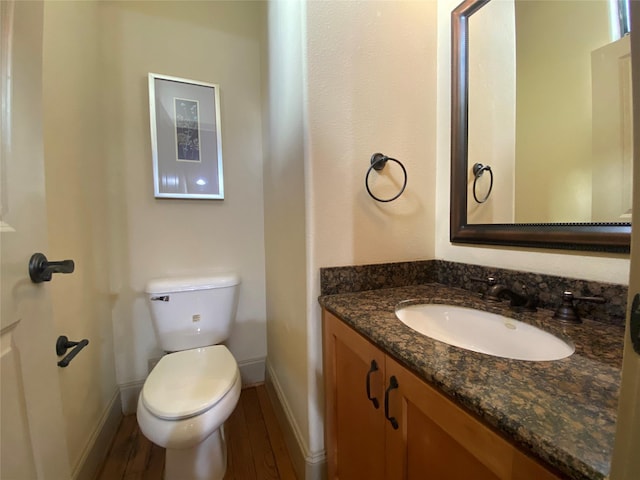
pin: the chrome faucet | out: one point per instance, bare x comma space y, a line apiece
498, 292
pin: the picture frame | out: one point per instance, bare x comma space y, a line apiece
186, 140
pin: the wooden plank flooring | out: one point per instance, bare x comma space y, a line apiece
256, 448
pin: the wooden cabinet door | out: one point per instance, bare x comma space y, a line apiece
434, 438
354, 426
437, 439
384, 422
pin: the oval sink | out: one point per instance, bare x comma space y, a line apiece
483, 332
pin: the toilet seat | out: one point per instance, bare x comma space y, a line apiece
188, 383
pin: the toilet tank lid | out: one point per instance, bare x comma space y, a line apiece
185, 284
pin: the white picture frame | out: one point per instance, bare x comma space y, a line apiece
186, 140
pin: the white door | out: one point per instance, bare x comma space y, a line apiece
33, 442
612, 121
626, 461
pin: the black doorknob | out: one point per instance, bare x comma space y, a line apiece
41, 270
63, 344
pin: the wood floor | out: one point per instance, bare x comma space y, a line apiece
256, 447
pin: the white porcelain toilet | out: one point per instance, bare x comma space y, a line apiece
191, 392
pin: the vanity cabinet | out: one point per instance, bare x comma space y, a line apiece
384, 422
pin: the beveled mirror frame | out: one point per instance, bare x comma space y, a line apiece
608, 237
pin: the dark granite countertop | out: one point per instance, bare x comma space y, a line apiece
562, 411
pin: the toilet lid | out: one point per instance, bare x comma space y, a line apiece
187, 383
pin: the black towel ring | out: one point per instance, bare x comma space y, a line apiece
478, 170
378, 162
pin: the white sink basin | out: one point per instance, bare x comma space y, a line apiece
483, 332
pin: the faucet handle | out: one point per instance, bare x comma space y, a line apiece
490, 280
567, 312
589, 299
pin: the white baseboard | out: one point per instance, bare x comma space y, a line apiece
252, 371
98, 445
129, 393
308, 465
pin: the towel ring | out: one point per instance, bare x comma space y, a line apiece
378, 162
478, 170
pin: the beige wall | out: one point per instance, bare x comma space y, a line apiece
215, 42
492, 112
551, 135
284, 210
371, 87
553, 173
77, 207
343, 91
101, 209
591, 266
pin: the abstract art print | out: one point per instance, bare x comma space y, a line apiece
187, 130
186, 142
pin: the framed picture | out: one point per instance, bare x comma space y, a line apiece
185, 138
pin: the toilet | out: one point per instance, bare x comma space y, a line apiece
193, 389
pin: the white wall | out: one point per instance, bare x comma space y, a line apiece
590, 266
215, 42
75, 168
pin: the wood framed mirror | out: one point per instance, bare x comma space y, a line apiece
609, 236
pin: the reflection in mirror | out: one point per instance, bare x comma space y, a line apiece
550, 111
547, 107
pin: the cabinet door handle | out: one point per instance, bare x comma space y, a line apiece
374, 368
393, 383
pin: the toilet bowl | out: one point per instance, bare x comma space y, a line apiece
183, 405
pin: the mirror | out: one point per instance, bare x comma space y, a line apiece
552, 158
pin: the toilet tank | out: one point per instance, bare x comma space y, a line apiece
192, 312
